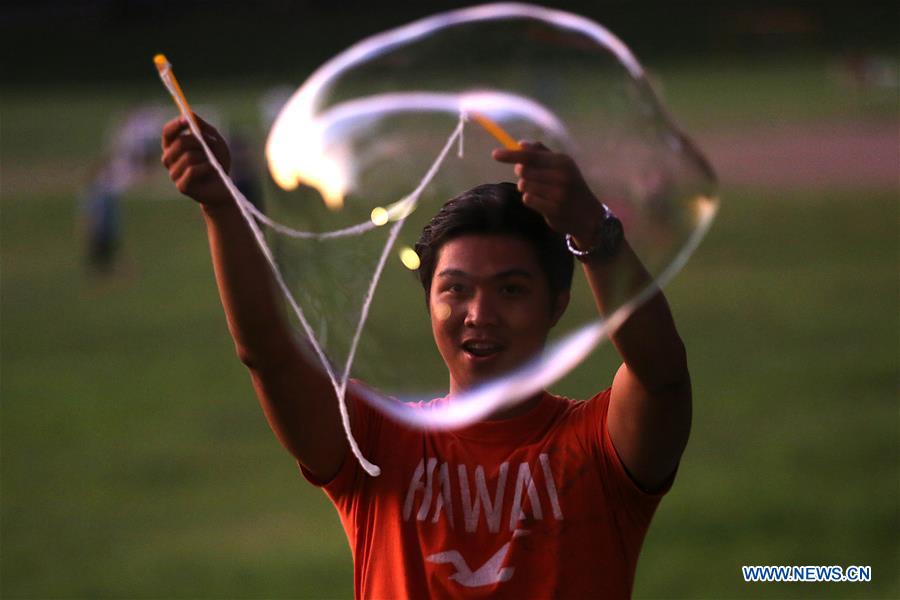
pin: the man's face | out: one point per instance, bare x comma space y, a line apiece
491, 306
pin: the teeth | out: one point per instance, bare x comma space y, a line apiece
481, 347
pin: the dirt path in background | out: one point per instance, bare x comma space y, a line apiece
840, 155
807, 156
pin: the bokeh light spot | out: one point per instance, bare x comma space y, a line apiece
409, 258
380, 216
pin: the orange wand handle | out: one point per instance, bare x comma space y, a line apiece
168, 77
493, 128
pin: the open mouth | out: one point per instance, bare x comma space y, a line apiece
481, 348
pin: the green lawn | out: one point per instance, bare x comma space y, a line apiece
789, 314
135, 462
787, 89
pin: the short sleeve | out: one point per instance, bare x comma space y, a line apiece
622, 488
366, 424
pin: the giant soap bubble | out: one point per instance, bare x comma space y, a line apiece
375, 140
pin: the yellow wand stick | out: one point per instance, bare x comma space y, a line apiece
493, 128
168, 78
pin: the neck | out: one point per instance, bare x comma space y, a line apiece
516, 410
507, 412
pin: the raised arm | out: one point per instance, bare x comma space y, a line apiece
650, 406
295, 394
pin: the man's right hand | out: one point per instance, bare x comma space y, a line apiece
188, 166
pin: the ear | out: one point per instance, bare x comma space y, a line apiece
559, 306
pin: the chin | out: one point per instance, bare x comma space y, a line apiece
479, 376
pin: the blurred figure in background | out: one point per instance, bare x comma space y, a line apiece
99, 220
130, 157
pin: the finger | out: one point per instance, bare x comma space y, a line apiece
513, 156
209, 132
203, 123
537, 203
544, 175
523, 146
179, 127
184, 143
211, 135
216, 142
531, 157
172, 130
194, 175
187, 160
534, 145
546, 191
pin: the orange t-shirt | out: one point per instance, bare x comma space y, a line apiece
537, 506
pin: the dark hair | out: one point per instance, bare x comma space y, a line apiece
495, 208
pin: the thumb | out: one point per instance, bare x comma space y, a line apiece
534, 145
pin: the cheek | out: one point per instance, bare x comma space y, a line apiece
441, 311
441, 320
531, 318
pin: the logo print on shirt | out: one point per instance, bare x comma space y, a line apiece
439, 501
489, 573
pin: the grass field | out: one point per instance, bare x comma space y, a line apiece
135, 462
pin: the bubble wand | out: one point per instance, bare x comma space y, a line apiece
168, 77
493, 128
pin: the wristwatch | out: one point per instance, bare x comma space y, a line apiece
609, 234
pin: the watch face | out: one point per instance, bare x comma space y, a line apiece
611, 234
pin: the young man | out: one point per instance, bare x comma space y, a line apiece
549, 499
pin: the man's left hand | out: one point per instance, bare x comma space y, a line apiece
552, 184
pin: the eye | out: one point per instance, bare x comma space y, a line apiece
513, 289
453, 288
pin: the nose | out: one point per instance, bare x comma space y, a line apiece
481, 311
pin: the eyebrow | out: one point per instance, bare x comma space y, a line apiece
501, 275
